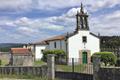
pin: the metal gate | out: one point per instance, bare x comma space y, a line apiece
74, 71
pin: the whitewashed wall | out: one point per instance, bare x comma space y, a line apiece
38, 51
94, 44
75, 44
60, 44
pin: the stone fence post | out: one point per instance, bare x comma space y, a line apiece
96, 66
51, 66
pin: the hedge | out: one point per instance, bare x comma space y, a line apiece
107, 57
118, 62
58, 54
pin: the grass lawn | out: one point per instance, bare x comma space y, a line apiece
22, 77
4, 62
68, 68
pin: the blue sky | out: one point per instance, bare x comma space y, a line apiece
24, 21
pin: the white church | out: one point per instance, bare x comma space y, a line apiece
79, 44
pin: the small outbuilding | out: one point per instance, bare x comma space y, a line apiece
21, 57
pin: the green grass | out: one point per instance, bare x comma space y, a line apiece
67, 68
39, 63
23, 77
4, 62
31, 77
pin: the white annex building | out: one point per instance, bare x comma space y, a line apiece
80, 44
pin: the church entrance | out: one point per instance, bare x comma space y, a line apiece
84, 58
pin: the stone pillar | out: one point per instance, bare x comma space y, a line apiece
51, 66
96, 66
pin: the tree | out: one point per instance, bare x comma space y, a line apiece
107, 57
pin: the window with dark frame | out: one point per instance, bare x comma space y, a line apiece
84, 39
54, 44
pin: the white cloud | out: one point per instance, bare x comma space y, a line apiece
107, 24
57, 4
25, 5
16, 36
9, 24
25, 29
68, 19
31, 23
15, 5
1, 30
100, 4
113, 15
3, 20
29, 27
34, 28
20, 5
51, 26
23, 21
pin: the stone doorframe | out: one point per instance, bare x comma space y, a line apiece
88, 56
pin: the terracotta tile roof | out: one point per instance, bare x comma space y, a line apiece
44, 42
22, 51
40, 43
60, 37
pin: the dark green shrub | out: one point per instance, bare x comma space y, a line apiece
118, 62
58, 54
0, 62
107, 57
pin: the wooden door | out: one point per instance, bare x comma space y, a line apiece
84, 57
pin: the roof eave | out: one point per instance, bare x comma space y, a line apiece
94, 35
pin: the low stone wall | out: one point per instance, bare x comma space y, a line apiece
73, 76
37, 71
112, 73
22, 60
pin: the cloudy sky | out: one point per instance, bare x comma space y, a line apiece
24, 21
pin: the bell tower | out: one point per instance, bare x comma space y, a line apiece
81, 20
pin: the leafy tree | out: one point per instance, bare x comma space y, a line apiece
107, 57
110, 41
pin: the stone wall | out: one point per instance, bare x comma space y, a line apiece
73, 76
37, 71
22, 60
103, 72
112, 73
